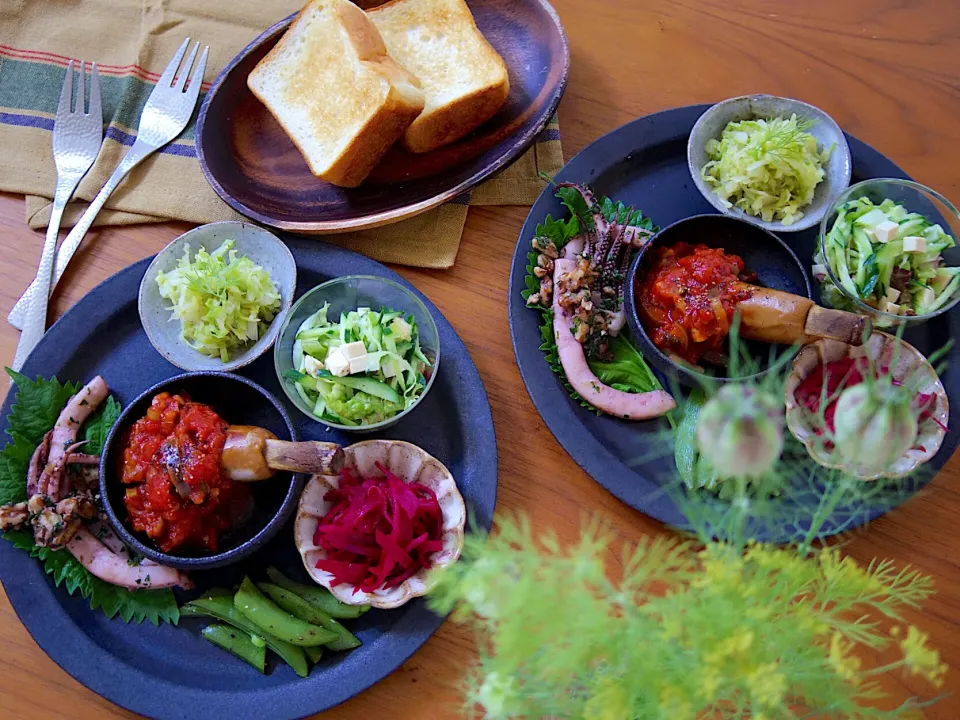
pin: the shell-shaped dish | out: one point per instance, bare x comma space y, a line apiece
410, 464
881, 348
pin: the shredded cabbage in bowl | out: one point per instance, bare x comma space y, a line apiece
767, 168
224, 301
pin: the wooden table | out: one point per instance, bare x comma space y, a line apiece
886, 70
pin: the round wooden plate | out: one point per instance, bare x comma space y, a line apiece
256, 169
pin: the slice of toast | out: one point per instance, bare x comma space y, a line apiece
335, 90
463, 77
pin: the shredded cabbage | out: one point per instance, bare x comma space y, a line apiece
224, 301
767, 168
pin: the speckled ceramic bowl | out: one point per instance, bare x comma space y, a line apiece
239, 401
750, 107
411, 464
881, 348
164, 331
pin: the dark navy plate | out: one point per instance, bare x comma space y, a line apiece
644, 164
172, 672
255, 167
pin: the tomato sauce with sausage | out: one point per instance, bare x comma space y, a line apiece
688, 296
177, 491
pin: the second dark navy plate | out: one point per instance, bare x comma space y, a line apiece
643, 164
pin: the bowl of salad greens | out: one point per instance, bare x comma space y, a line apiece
888, 249
357, 353
213, 298
773, 161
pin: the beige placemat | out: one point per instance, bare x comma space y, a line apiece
132, 41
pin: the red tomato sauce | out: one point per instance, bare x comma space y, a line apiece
178, 494
688, 296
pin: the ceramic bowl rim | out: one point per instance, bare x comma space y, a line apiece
273, 330
221, 559
808, 220
681, 373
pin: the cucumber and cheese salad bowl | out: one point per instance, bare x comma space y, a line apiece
357, 353
888, 249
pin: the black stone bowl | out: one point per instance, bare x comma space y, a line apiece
240, 402
762, 251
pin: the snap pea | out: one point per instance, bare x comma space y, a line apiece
298, 607
319, 597
221, 607
238, 643
263, 613
314, 652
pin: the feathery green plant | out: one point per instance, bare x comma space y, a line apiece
714, 624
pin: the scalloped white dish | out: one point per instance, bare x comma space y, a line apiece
880, 347
411, 464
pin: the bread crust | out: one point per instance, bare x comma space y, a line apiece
402, 103
440, 126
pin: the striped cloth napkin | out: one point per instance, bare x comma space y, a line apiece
132, 41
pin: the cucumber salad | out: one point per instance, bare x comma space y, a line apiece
888, 257
360, 369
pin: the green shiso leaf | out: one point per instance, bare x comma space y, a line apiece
628, 371
37, 405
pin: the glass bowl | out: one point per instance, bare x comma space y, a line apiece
345, 294
916, 198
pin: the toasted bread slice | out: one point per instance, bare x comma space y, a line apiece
463, 77
337, 93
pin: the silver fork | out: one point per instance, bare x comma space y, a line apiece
166, 114
77, 136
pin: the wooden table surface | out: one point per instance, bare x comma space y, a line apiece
885, 69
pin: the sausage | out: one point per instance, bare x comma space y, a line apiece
254, 453
774, 316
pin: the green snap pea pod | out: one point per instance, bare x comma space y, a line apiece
263, 613
298, 607
238, 643
319, 597
314, 652
222, 608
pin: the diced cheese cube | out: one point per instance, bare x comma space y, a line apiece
892, 295
312, 365
337, 363
914, 243
362, 310
401, 329
888, 307
886, 231
358, 365
390, 367
354, 350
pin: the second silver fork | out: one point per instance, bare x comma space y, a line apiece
77, 136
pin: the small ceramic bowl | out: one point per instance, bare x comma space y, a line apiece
754, 107
345, 294
881, 348
763, 252
240, 402
410, 464
164, 331
916, 198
